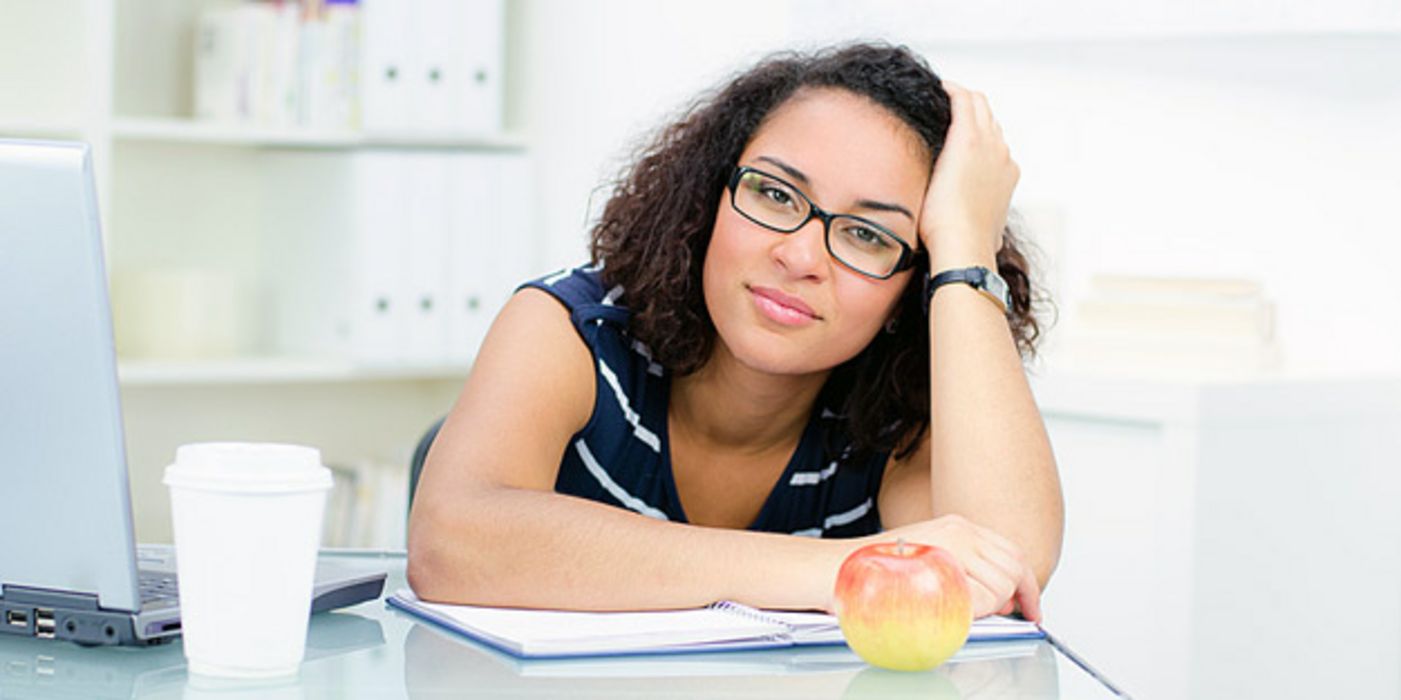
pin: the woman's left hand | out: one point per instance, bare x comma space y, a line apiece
965, 208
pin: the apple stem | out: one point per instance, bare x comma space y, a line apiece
900, 546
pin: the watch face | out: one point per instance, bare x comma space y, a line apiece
998, 287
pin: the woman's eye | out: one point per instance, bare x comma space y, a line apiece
777, 195
867, 237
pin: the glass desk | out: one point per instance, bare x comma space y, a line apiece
370, 650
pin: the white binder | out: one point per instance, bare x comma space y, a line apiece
490, 245
433, 66
387, 54
426, 210
377, 315
460, 60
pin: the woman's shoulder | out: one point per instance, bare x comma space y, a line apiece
596, 309
575, 287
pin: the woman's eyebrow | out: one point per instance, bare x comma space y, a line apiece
792, 172
798, 175
884, 206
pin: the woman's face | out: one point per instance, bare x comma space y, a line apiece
781, 304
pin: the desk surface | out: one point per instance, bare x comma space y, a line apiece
371, 650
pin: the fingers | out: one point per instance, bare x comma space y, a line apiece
990, 588
999, 579
1008, 557
1029, 596
998, 571
1003, 582
973, 106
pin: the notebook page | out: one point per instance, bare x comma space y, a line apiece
817, 627
557, 632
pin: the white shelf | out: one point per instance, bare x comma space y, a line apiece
58, 129
273, 370
946, 23
173, 130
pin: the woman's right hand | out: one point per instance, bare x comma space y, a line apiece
999, 579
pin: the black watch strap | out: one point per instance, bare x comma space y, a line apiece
980, 278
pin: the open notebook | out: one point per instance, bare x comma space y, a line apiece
719, 627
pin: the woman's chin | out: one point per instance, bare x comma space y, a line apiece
764, 353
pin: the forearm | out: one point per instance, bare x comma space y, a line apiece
525, 548
991, 459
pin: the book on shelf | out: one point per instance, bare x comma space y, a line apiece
1161, 286
432, 66
411, 271
1131, 322
722, 626
367, 507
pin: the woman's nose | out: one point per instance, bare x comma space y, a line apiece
803, 252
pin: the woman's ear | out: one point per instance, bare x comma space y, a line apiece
892, 324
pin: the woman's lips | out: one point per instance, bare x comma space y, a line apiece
782, 308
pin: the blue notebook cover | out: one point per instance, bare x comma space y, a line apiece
724, 626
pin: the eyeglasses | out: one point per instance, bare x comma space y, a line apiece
862, 245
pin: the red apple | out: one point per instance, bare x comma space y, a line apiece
903, 606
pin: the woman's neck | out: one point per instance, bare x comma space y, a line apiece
728, 406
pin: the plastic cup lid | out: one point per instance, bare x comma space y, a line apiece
248, 466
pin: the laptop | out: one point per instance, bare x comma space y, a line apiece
69, 566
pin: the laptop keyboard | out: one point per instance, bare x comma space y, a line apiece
157, 586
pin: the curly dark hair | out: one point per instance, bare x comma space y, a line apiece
656, 227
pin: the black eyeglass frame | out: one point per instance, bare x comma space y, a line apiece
907, 254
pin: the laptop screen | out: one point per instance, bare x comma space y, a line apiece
65, 517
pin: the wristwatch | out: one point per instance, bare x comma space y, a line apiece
982, 279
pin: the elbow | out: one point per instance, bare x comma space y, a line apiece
451, 556
1046, 564
1054, 529
1045, 567
438, 556
424, 566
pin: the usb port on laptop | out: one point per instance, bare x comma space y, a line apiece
17, 618
44, 623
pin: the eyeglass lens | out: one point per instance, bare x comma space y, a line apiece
777, 205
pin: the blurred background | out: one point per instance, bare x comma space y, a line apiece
313, 210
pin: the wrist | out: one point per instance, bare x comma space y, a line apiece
836, 555
943, 256
983, 280
940, 263
958, 248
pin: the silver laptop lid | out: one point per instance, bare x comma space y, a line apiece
65, 514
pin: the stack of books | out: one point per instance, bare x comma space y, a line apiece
1172, 325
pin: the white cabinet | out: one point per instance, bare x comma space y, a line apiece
1230, 538
951, 22
199, 220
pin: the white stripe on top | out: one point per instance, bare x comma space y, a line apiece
611, 486
550, 281
811, 478
612, 295
848, 517
652, 367
838, 519
643, 434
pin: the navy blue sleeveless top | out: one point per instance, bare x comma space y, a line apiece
621, 457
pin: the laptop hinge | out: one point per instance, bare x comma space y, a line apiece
43, 597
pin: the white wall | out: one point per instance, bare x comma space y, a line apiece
1225, 141
595, 78
1272, 158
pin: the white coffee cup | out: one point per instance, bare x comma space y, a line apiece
247, 520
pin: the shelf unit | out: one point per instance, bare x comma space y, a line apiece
189, 131
176, 192
57, 130
283, 371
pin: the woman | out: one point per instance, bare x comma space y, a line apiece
736, 393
